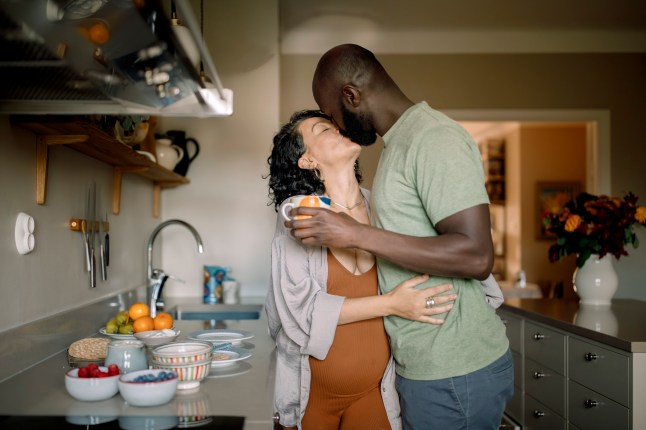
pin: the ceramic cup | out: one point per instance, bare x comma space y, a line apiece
304, 201
129, 355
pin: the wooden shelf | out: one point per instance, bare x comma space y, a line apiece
94, 142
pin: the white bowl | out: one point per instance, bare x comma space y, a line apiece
91, 389
157, 337
147, 393
190, 375
192, 351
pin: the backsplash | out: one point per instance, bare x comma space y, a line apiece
52, 279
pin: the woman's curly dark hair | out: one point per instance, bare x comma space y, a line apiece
286, 179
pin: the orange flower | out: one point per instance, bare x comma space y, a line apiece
640, 214
572, 223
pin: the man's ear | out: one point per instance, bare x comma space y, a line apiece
351, 95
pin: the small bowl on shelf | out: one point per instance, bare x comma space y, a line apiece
149, 387
91, 389
157, 337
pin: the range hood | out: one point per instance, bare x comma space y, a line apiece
104, 57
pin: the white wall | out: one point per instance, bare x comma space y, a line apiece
226, 200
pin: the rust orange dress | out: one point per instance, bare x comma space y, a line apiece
344, 392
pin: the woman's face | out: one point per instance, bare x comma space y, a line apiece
325, 145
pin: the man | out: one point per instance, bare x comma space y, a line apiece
430, 215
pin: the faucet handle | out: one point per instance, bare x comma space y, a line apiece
181, 281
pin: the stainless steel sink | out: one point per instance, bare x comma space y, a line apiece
215, 312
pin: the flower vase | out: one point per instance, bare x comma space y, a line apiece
596, 282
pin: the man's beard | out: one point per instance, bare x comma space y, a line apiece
354, 128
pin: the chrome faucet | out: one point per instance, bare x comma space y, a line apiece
157, 278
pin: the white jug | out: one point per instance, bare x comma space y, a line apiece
168, 155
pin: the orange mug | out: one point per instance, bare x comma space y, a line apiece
304, 201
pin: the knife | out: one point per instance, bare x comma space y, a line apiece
104, 271
84, 227
107, 240
92, 238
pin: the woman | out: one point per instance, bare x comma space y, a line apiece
333, 366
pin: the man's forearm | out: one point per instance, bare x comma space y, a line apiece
450, 254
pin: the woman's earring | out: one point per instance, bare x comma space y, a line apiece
317, 174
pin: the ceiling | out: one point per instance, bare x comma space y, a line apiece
608, 15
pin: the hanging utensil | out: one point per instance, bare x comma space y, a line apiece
92, 239
106, 240
101, 227
84, 230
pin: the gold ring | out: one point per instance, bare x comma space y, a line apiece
430, 302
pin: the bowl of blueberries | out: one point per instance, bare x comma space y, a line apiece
148, 387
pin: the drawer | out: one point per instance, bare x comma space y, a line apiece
546, 386
540, 417
545, 346
591, 410
518, 371
601, 369
514, 331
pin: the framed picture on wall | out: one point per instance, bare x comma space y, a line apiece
550, 198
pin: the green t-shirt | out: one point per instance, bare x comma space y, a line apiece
430, 168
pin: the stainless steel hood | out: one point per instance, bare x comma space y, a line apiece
103, 57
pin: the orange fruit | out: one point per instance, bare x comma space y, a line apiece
308, 202
138, 310
144, 323
163, 320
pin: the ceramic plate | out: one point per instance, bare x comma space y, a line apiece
238, 368
221, 335
117, 336
232, 356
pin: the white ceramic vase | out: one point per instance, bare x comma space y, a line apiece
596, 282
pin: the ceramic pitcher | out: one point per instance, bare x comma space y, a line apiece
189, 145
168, 155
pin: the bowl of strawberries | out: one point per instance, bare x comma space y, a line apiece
92, 383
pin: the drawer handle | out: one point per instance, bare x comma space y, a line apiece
539, 336
538, 375
538, 414
590, 356
589, 403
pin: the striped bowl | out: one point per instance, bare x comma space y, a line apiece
190, 375
182, 352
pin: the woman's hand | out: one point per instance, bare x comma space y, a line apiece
409, 302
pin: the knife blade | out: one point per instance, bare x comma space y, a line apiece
92, 239
100, 228
107, 240
84, 230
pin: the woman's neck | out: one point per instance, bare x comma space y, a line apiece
344, 190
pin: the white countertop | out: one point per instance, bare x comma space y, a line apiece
248, 392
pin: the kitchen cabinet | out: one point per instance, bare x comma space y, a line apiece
91, 140
577, 367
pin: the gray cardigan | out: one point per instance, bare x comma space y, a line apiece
302, 319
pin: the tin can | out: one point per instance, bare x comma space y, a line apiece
213, 278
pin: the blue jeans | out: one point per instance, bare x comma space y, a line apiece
472, 401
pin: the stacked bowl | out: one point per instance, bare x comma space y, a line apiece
190, 360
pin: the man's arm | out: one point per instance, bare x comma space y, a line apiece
463, 247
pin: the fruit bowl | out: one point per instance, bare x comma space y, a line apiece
157, 337
145, 388
91, 389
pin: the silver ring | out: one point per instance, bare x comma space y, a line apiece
430, 302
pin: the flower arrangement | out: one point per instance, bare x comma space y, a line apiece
590, 224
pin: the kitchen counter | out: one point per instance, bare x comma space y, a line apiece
244, 391
621, 325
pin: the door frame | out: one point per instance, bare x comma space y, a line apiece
598, 162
